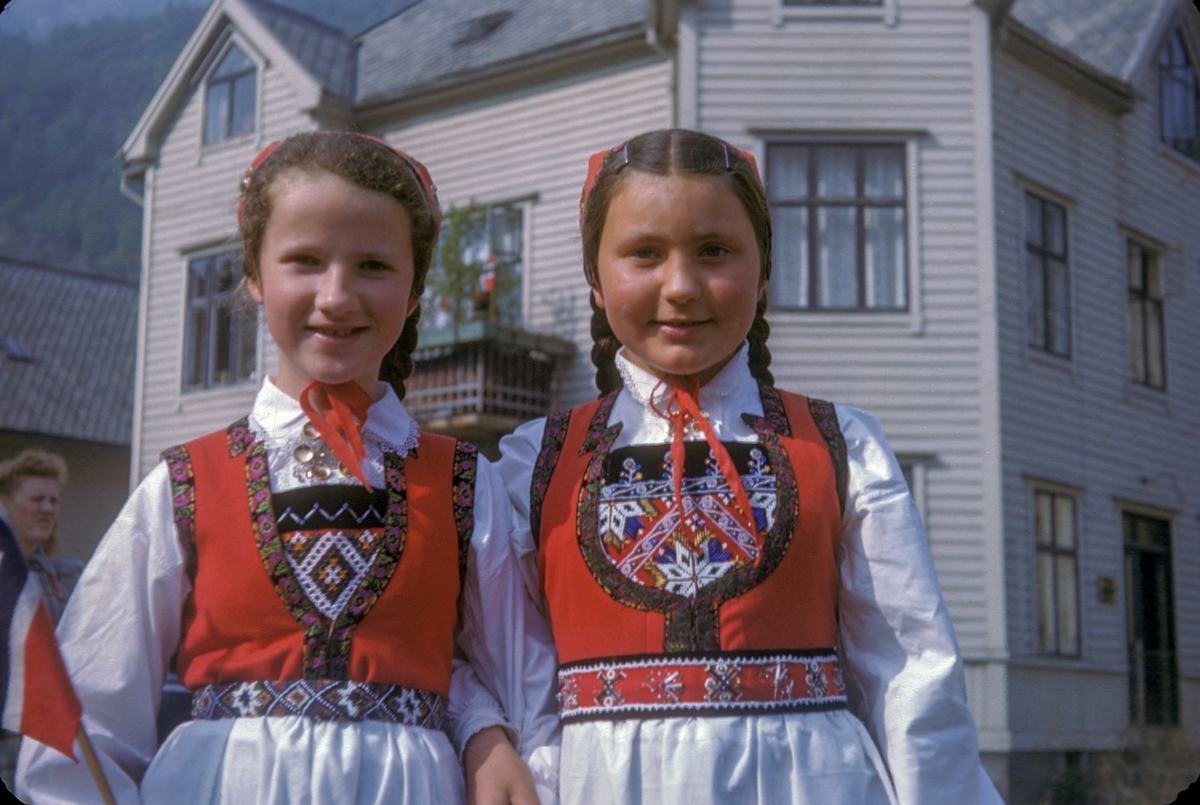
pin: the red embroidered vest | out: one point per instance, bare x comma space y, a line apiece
644, 620
379, 609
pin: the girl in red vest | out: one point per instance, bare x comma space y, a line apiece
741, 596
304, 564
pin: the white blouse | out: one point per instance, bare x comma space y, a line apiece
122, 625
907, 737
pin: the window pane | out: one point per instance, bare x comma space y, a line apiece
789, 275
1056, 230
1035, 285
216, 112
837, 247
1155, 354
884, 256
1033, 220
1064, 522
835, 171
234, 62
1137, 341
196, 369
787, 172
247, 337
1045, 595
224, 272
197, 279
1135, 266
883, 172
1058, 313
243, 104
1154, 287
1043, 518
221, 354
1068, 614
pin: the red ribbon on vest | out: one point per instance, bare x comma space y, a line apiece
338, 416
681, 407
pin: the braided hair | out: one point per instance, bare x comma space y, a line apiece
372, 165
669, 152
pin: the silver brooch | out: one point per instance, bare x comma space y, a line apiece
316, 460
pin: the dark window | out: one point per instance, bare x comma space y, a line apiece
1179, 97
1046, 275
1057, 574
229, 102
504, 264
222, 324
1147, 358
839, 220
1150, 613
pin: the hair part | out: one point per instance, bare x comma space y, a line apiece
33, 462
371, 165
670, 152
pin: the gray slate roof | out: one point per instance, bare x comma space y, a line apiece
438, 41
82, 333
1104, 33
326, 52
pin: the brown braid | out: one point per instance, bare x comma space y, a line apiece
663, 153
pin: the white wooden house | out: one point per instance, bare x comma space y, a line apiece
987, 223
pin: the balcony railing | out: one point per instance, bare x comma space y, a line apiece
479, 380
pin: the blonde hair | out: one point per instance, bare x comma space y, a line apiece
33, 463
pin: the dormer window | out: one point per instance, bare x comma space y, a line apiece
229, 100
1179, 97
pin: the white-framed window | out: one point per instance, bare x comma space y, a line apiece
840, 226
230, 96
221, 324
782, 10
1147, 339
1056, 539
1179, 97
480, 268
1047, 279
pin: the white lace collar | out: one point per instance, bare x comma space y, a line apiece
729, 381
276, 419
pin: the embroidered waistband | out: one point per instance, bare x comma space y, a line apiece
716, 684
321, 700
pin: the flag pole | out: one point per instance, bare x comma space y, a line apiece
93, 762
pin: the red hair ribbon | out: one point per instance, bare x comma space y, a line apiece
681, 408
421, 172
338, 416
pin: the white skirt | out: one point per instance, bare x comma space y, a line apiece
821, 758
285, 760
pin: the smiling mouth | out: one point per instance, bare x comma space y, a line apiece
343, 332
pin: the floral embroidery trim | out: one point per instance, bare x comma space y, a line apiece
183, 503
599, 430
691, 624
322, 700
701, 684
553, 437
326, 643
825, 416
466, 460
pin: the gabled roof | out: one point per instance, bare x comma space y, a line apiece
326, 52
1109, 35
436, 42
81, 332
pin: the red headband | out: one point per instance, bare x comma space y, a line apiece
419, 170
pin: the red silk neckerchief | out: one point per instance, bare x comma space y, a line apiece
681, 407
338, 416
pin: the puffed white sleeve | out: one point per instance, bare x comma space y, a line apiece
504, 634
118, 633
904, 675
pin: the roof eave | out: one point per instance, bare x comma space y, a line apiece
615, 47
1109, 92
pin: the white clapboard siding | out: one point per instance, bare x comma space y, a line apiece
856, 76
194, 198
535, 143
1081, 422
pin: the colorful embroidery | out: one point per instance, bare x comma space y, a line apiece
239, 437
720, 683
598, 429
321, 700
553, 436
825, 417
183, 502
774, 414
465, 462
338, 585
